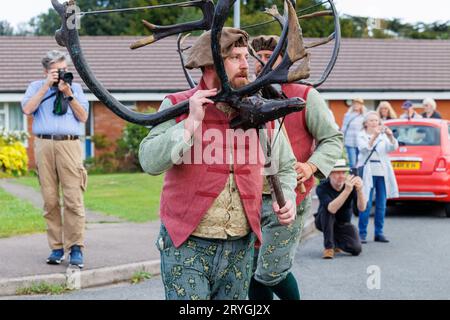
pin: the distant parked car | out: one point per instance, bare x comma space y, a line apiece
422, 161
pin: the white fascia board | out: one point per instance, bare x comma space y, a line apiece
410, 95
11, 97
132, 96
17, 97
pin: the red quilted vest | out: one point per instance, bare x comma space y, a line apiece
189, 190
301, 140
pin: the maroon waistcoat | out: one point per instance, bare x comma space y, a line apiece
189, 190
301, 140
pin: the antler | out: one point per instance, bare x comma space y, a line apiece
336, 36
180, 41
291, 33
253, 112
160, 32
302, 72
67, 36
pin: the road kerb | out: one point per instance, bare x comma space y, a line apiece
82, 279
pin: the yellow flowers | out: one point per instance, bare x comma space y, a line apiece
13, 155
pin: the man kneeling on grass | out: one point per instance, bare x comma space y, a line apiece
338, 195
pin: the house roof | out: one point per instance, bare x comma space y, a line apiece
363, 64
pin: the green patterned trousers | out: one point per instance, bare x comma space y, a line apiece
206, 269
274, 259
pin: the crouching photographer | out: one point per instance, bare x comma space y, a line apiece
337, 196
59, 107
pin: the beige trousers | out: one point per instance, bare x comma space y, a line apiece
59, 163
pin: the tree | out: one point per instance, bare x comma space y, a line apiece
126, 23
252, 12
130, 23
45, 24
5, 28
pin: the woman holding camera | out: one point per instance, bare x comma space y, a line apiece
375, 141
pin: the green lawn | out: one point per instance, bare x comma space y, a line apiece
18, 216
131, 196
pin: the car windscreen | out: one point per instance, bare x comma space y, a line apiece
416, 135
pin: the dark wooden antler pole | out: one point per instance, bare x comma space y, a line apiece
275, 184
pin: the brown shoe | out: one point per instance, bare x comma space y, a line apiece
338, 250
328, 254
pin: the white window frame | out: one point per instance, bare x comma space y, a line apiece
4, 109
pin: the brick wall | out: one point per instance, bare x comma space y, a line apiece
339, 108
108, 124
443, 106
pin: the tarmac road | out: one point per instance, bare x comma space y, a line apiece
414, 265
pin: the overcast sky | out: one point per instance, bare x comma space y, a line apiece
408, 10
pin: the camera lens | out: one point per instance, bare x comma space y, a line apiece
65, 76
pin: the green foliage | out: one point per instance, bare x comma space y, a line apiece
13, 155
101, 141
46, 23
124, 23
5, 28
128, 144
130, 23
435, 30
130, 196
18, 217
107, 161
252, 11
43, 288
140, 276
124, 158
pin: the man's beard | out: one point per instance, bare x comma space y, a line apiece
239, 80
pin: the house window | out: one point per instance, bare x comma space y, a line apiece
3, 117
11, 117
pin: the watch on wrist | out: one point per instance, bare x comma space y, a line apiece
70, 98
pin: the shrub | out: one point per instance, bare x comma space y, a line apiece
124, 158
128, 145
107, 161
13, 155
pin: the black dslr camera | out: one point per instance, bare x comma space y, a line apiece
67, 77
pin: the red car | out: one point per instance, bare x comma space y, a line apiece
422, 161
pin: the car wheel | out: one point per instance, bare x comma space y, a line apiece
447, 209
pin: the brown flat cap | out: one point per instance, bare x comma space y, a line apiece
265, 43
200, 55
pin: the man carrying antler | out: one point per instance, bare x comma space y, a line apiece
316, 144
211, 199
210, 205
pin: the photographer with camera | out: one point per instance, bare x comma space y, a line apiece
375, 141
59, 107
337, 196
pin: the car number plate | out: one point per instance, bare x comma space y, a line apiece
406, 165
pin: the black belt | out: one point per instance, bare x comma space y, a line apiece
58, 137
